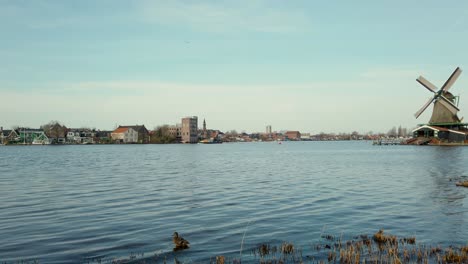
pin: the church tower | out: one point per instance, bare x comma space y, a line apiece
204, 129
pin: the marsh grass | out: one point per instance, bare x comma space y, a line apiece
380, 248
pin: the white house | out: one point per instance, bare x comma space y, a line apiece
124, 135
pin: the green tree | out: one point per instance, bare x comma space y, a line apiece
161, 135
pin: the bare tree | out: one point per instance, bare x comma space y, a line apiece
392, 132
54, 130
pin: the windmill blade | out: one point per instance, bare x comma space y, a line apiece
418, 113
427, 84
451, 79
448, 104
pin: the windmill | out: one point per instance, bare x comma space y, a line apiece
445, 108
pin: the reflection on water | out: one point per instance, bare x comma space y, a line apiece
72, 203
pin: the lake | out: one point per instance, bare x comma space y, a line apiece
74, 204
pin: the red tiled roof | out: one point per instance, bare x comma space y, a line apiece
120, 130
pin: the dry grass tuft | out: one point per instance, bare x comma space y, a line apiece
287, 248
462, 183
220, 259
381, 238
464, 249
409, 240
454, 257
264, 249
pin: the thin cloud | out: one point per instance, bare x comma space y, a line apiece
257, 16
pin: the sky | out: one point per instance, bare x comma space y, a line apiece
312, 66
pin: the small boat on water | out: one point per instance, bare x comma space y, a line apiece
210, 141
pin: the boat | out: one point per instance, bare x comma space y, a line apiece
210, 141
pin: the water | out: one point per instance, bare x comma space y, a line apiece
73, 204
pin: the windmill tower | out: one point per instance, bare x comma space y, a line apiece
445, 103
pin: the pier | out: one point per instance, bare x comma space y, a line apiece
388, 141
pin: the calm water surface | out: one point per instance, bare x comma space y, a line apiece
70, 204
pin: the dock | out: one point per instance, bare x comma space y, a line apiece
388, 141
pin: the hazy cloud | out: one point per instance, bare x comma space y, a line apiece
220, 17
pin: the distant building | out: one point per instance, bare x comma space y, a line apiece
437, 134
80, 136
204, 132
305, 136
103, 137
8, 136
268, 129
189, 129
124, 135
32, 136
142, 133
175, 131
293, 135
4, 135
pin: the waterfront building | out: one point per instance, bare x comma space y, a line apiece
189, 129
31, 136
124, 135
80, 136
142, 133
305, 136
102, 137
9, 136
429, 134
293, 135
444, 127
268, 129
73, 136
176, 132
4, 136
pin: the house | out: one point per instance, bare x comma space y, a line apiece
80, 136
142, 133
216, 135
4, 136
305, 136
73, 136
102, 137
32, 136
293, 135
10, 136
124, 135
441, 134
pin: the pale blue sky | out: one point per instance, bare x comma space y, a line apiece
333, 66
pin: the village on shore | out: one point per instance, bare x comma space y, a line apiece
185, 132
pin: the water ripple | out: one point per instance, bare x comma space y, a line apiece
82, 203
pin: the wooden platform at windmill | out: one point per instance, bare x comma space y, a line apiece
444, 127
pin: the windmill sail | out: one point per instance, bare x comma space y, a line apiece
420, 111
427, 84
445, 111
451, 79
